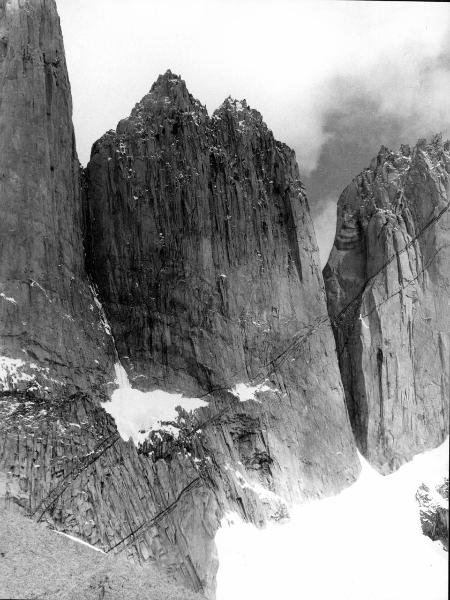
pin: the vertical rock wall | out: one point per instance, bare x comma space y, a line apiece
391, 256
204, 253
48, 317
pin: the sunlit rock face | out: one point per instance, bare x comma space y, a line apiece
48, 317
393, 340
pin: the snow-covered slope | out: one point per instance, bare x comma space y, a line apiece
366, 543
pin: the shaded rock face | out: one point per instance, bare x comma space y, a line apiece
393, 337
48, 316
204, 254
200, 241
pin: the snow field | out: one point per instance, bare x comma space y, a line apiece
365, 543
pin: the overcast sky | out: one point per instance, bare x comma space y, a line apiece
334, 80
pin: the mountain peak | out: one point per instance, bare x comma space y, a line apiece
167, 78
170, 89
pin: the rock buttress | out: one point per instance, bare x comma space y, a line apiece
391, 263
48, 316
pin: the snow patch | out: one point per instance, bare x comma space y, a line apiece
137, 413
11, 372
276, 502
366, 542
8, 298
247, 392
103, 318
75, 539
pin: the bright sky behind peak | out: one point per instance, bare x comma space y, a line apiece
303, 65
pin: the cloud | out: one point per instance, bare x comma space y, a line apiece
281, 55
402, 97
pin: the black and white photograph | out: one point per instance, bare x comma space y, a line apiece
224, 299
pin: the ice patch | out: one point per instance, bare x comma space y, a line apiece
267, 496
11, 372
8, 298
103, 319
247, 392
137, 413
366, 542
75, 539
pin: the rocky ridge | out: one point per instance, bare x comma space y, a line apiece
387, 282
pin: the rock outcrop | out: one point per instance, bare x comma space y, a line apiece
387, 283
50, 325
433, 505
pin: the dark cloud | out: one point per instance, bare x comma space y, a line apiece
386, 107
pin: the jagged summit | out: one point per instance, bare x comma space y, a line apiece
170, 107
435, 146
168, 83
240, 113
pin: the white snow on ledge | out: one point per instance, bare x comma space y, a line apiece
364, 544
247, 392
137, 413
8, 298
75, 539
11, 372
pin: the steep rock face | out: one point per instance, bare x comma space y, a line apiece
204, 253
50, 324
387, 283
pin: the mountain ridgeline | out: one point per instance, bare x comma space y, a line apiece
185, 254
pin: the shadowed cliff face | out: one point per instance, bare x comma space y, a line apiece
48, 317
202, 246
200, 240
394, 340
